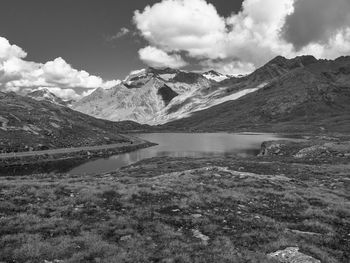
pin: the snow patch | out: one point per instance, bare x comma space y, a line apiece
217, 78
135, 73
198, 103
167, 77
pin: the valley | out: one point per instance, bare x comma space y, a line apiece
178, 166
175, 131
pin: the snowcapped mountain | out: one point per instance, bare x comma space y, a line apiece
216, 76
157, 96
45, 95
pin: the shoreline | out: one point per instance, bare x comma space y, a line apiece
40, 161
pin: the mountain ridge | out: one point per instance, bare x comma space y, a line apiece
309, 97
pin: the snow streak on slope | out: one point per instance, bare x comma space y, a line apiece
196, 103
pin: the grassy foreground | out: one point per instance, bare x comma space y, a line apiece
222, 209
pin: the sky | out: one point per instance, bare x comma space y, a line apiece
73, 47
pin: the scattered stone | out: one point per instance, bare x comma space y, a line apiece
292, 255
199, 235
197, 215
125, 238
298, 232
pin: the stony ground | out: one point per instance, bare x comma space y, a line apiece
222, 209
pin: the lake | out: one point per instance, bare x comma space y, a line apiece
181, 145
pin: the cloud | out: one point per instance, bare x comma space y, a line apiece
17, 74
122, 32
59, 72
228, 67
254, 35
8, 51
249, 38
155, 57
190, 25
316, 21
66, 94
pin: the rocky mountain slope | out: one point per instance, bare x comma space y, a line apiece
301, 94
28, 124
45, 94
156, 96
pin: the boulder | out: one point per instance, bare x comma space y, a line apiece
292, 255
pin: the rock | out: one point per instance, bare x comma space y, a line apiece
328, 149
292, 255
125, 238
305, 233
315, 150
199, 235
197, 215
269, 148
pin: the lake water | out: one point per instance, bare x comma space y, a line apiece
181, 145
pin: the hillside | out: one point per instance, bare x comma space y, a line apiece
27, 124
303, 95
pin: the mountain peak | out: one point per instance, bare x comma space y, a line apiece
304, 60
214, 75
161, 71
278, 60
46, 95
213, 72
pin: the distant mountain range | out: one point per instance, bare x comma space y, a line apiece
300, 94
302, 88
156, 96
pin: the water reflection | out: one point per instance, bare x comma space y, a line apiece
181, 145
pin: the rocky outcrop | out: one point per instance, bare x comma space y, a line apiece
306, 149
330, 149
274, 148
292, 255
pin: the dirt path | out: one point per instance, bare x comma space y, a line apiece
133, 142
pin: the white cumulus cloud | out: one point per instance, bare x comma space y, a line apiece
8, 51
249, 38
155, 57
190, 25
20, 75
